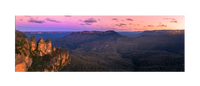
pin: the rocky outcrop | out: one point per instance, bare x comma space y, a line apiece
33, 43
41, 47
61, 58
38, 56
22, 54
44, 47
48, 46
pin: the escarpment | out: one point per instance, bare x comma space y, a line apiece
22, 54
38, 56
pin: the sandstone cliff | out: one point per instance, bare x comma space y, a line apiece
162, 32
22, 59
38, 56
176, 32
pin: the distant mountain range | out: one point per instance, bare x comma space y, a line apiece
153, 32
111, 40
110, 51
157, 50
43, 32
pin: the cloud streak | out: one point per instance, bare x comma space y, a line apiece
114, 19
129, 19
82, 24
88, 24
32, 20
52, 20
169, 18
90, 20
150, 26
162, 25
173, 21
121, 24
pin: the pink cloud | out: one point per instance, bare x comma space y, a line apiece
162, 25
173, 21
169, 18
150, 26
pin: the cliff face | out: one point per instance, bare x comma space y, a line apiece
38, 56
33, 43
60, 58
48, 46
22, 59
176, 32
162, 32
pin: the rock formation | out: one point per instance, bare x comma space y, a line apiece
38, 56
48, 46
59, 60
22, 59
33, 43
41, 47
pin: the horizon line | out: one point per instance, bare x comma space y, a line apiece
97, 30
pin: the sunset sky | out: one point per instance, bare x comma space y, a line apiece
99, 23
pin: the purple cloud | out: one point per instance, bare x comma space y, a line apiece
150, 26
52, 20
82, 24
129, 19
21, 19
87, 23
32, 20
161, 25
121, 24
114, 19
90, 20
